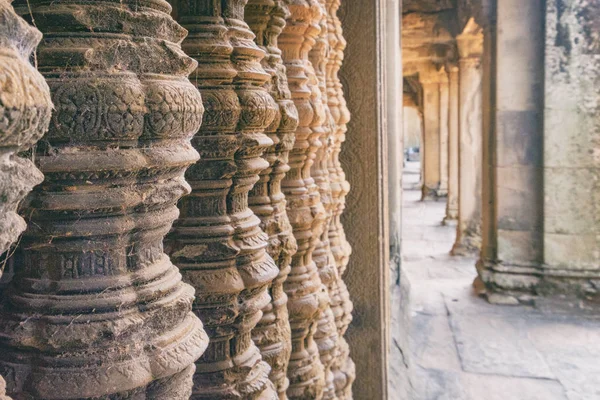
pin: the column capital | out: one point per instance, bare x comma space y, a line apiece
433, 75
470, 46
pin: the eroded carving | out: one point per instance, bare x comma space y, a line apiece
217, 241
272, 335
306, 300
96, 309
25, 108
343, 366
326, 335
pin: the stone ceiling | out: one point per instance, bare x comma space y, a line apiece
427, 5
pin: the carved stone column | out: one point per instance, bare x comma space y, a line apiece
444, 134
453, 139
24, 117
25, 109
306, 300
272, 334
342, 367
468, 233
96, 309
326, 335
217, 241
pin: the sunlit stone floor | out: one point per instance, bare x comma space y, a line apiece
450, 344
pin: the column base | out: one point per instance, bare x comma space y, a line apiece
451, 218
467, 244
505, 283
430, 194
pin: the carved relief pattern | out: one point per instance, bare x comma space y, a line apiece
96, 309
326, 335
25, 108
306, 300
272, 334
343, 367
217, 241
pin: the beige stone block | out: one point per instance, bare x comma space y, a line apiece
572, 251
518, 198
571, 200
519, 138
571, 139
519, 247
520, 62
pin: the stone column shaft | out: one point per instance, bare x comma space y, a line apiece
272, 334
444, 134
217, 241
453, 146
343, 368
306, 300
468, 234
430, 146
96, 309
25, 109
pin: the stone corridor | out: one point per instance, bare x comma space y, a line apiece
457, 346
202, 199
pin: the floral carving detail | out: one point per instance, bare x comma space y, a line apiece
92, 282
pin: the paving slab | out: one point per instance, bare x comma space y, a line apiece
494, 345
491, 387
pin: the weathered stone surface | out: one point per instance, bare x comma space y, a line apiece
24, 117
96, 309
217, 241
272, 334
343, 366
25, 108
453, 145
306, 300
428, 6
366, 211
468, 233
326, 335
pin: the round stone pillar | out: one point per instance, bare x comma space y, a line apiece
468, 234
25, 109
306, 300
272, 334
217, 242
453, 146
96, 309
444, 132
430, 146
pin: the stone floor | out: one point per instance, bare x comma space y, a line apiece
450, 344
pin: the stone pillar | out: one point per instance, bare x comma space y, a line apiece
24, 117
444, 133
366, 215
468, 232
430, 146
542, 226
217, 241
306, 300
25, 109
96, 309
572, 148
272, 334
513, 214
453, 146
343, 367
326, 335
